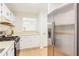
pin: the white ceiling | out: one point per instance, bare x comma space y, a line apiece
27, 7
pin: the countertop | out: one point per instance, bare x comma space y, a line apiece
26, 33
6, 45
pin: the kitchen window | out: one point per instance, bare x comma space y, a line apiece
29, 24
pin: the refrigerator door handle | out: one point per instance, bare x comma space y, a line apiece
53, 34
53, 37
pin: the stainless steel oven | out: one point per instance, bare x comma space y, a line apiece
16, 43
17, 46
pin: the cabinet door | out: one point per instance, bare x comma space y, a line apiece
5, 12
14, 20
24, 42
11, 17
29, 42
10, 52
4, 54
0, 12
3, 7
0, 9
35, 41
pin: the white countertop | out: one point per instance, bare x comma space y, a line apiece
6, 45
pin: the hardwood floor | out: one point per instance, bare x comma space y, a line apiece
54, 52
33, 52
47, 51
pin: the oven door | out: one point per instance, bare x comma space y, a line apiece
17, 48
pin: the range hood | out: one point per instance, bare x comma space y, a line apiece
7, 24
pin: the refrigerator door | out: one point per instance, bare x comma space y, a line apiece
51, 46
64, 32
64, 40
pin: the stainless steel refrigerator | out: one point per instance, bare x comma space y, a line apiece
65, 30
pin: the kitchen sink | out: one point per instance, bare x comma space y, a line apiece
1, 49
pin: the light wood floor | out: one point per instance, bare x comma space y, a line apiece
54, 52
33, 52
47, 51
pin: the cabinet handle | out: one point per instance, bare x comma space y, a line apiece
53, 34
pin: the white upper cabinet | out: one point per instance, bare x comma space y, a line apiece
6, 13
0, 9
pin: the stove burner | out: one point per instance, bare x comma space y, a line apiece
15, 38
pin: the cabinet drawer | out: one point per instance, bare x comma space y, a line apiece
10, 52
29, 42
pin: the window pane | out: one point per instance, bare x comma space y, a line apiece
29, 24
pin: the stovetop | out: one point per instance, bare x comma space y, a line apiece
15, 38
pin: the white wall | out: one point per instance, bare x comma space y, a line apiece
33, 41
27, 41
52, 6
19, 17
43, 28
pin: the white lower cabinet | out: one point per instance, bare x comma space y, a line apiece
29, 41
5, 54
10, 51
